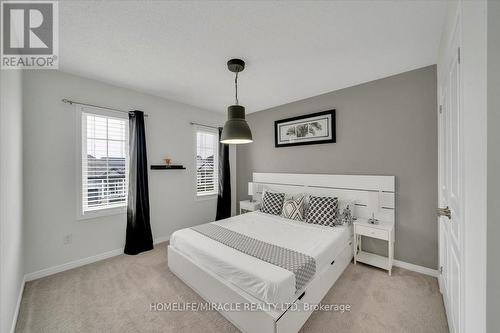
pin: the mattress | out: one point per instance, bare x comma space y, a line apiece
258, 278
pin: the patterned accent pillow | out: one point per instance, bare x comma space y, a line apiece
293, 208
272, 202
346, 212
322, 210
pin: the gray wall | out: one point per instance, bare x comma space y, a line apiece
50, 168
11, 195
493, 266
384, 127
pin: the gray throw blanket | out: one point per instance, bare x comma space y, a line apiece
301, 265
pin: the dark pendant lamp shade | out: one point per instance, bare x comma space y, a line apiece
236, 130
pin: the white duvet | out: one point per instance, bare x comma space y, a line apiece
260, 279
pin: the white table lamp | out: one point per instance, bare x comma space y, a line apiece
250, 191
373, 206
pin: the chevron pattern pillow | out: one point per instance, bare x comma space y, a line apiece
293, 208
322, 211
272, 202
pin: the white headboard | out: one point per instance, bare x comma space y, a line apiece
345, 187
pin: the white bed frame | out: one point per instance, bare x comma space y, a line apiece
215, 289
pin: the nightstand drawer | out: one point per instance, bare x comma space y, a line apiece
372, 232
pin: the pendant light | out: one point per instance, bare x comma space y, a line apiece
236, 130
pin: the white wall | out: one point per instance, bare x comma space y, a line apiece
11, 196
493, 280
474, 120
50, 168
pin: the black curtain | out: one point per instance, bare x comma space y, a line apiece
139, 237
224, 197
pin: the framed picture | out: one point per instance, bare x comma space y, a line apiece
309, 129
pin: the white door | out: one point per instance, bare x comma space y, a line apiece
450, 186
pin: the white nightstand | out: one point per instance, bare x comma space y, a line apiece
384, 231
247, 206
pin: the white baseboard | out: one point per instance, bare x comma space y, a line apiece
81, 262
18, 306
416, 268
72, 264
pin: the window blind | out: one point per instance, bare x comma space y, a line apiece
207, 170
104, 162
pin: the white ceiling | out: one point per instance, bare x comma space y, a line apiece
293, 50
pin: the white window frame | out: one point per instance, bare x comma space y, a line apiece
81, 215
215, 131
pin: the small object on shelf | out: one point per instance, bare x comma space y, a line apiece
167, 167
373, 220
168, 161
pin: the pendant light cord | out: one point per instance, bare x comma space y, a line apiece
236, 87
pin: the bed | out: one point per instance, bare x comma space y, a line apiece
263, 280
225, 275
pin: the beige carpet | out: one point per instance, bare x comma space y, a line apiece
115, 296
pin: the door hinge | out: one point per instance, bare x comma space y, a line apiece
440, 109
444, 212
441, 270
458, 50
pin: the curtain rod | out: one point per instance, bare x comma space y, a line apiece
192, 123
68, 101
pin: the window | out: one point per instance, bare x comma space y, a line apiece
207, 171
104, 162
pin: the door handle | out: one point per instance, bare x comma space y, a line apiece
445, 212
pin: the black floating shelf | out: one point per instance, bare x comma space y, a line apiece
167, 167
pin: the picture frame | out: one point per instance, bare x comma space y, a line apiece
309, 129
